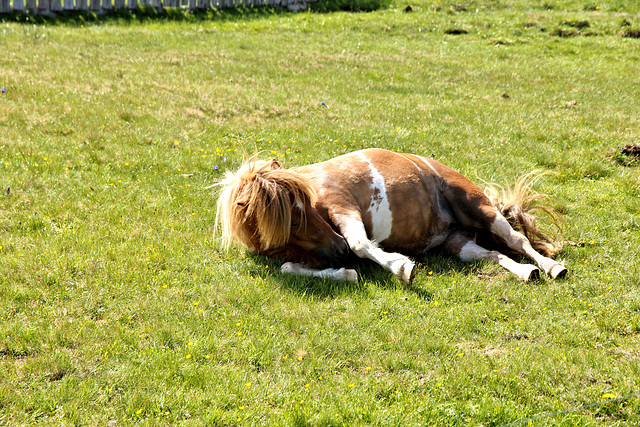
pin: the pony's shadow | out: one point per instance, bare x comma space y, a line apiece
429, 267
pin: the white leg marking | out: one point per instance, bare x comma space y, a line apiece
356, 236
521, 244
472, 252
329, 273
381, 216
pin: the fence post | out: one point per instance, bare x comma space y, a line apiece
68, 5
18, 5
43, 6
56, 5
5, 6
133, 4
106, 5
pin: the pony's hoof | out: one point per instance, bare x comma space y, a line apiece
532, 273
408, 273
288, 267
348, 275
558, 271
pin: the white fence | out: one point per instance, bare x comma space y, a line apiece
53, 7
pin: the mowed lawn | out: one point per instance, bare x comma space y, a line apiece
118, 305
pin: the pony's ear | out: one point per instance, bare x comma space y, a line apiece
275, 165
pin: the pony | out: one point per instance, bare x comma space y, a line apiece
384, 206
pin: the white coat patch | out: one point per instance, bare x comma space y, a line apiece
381, 216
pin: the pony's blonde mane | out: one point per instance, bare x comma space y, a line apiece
255, 204
523, 207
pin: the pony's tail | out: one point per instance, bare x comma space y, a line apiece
524, 208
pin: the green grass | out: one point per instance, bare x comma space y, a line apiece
118, 305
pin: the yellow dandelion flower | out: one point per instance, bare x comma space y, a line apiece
139, 411
299, 357
351, 385
248, 384
188, 356
190, 343
368, 368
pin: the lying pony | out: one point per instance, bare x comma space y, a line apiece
383, 206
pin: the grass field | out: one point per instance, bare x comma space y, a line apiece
119, 307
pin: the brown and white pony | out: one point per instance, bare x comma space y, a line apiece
380, 205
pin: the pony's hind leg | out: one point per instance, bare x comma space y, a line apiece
468, 251
473, 209
519, 243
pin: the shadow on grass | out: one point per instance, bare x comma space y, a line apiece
429, 266
144, 14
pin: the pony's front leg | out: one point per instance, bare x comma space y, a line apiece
328, 273
356, 236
